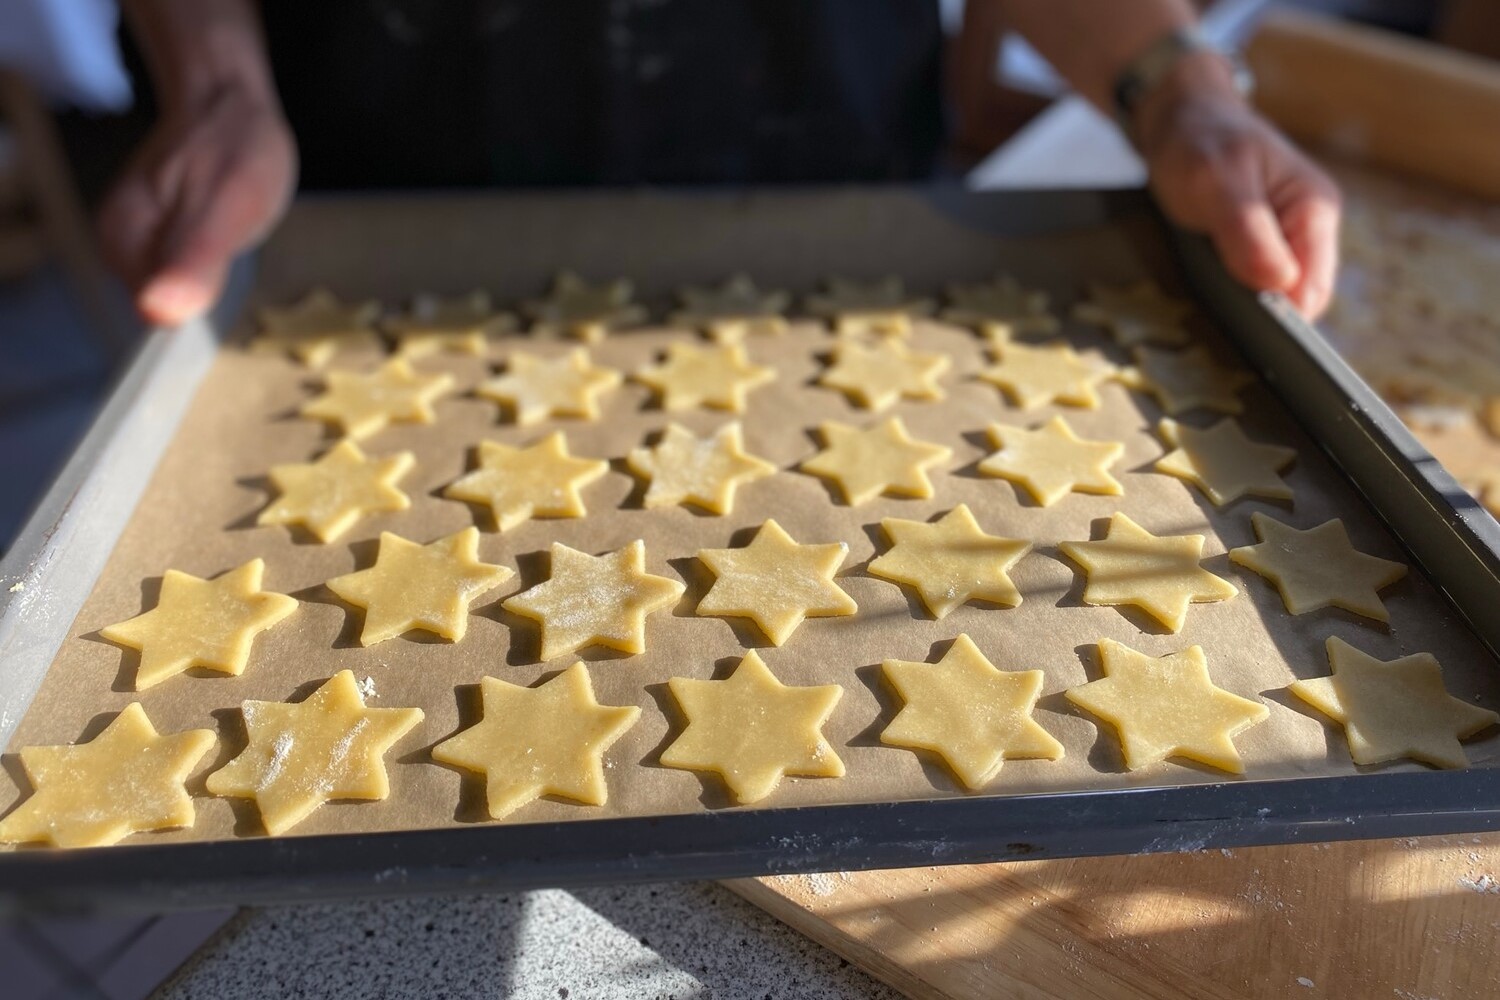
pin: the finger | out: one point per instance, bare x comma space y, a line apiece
128, 226
1248, 234
1311, 223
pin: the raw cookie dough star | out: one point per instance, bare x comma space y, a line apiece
876, 375
585, 311
950, 561
362, 403
1050, 461
896, 326
595, 600
751, 729
1002, 302
1186, 380
464, 325
1224, 463
1393, 708
1167, 707
329, 495
317, 327
716, 375
733, 309
201, 623
704, 472
854, 299
1045, 374
1318, 568
776, 582
970, 714
882, 458
300, 755
1136, 314
126, 780
414, 586
538, 388
517, 484
1159, 575
536, 741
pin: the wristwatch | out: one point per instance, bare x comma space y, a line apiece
1145, 73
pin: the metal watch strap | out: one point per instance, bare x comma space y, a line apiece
1146, 72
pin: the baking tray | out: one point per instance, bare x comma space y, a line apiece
53, 565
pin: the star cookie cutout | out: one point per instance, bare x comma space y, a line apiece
585, 311
128, 779
716, 375
1136, 314
733, 309
897, 326
1033, 376
776, 582
517, 484
1159, 575
875, 375
363, 403
317, 327
1318, 568
595, 600
855, 299
751, 729
1052, 461
1224, 463
705, 472
1167, 707
538, 388
464, 324
950, 561
201, 623
1187, 380
329, 495
880, 459
412, 586
536, 741
1393, 708
970, 714
1001, 301
302, 754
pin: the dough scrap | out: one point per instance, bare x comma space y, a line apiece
776, 582
201, 623
539, 388
595, 600
733, 309
413, 586
705, 472
517, 484
1051, 461
585, 311
1393, 708
363, 403
972, 715
1045, 374
1167, 707
890, 325
126, 780
316, 327
1002, 302
1158, 574
1224, 463
1318, 567
302, 754
463, 324
880, 459
716, 375
329, 495
876, 375
751, 729
950, 561
1186, 380
536, 741
1136, 314
855, 299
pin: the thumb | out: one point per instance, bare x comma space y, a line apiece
1245, 229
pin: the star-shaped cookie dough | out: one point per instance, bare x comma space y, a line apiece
716, 375
201, 623
893, 325
776, 582
595, 600
329, 495
882, 458
705, 472
1186, 380
885, 297
317, 327
950, 561
1136, 314
588, 312
1051, 461
300, 755
362, 403
1224, 463
1159, 575
1318, 567
126, 780
733, 309
1393, 708
517, 484
875, 375
1001, 301
751, 729
1033, 376
463, 325
970, 714
1167, 707
412, 586
538, 388
543, 740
